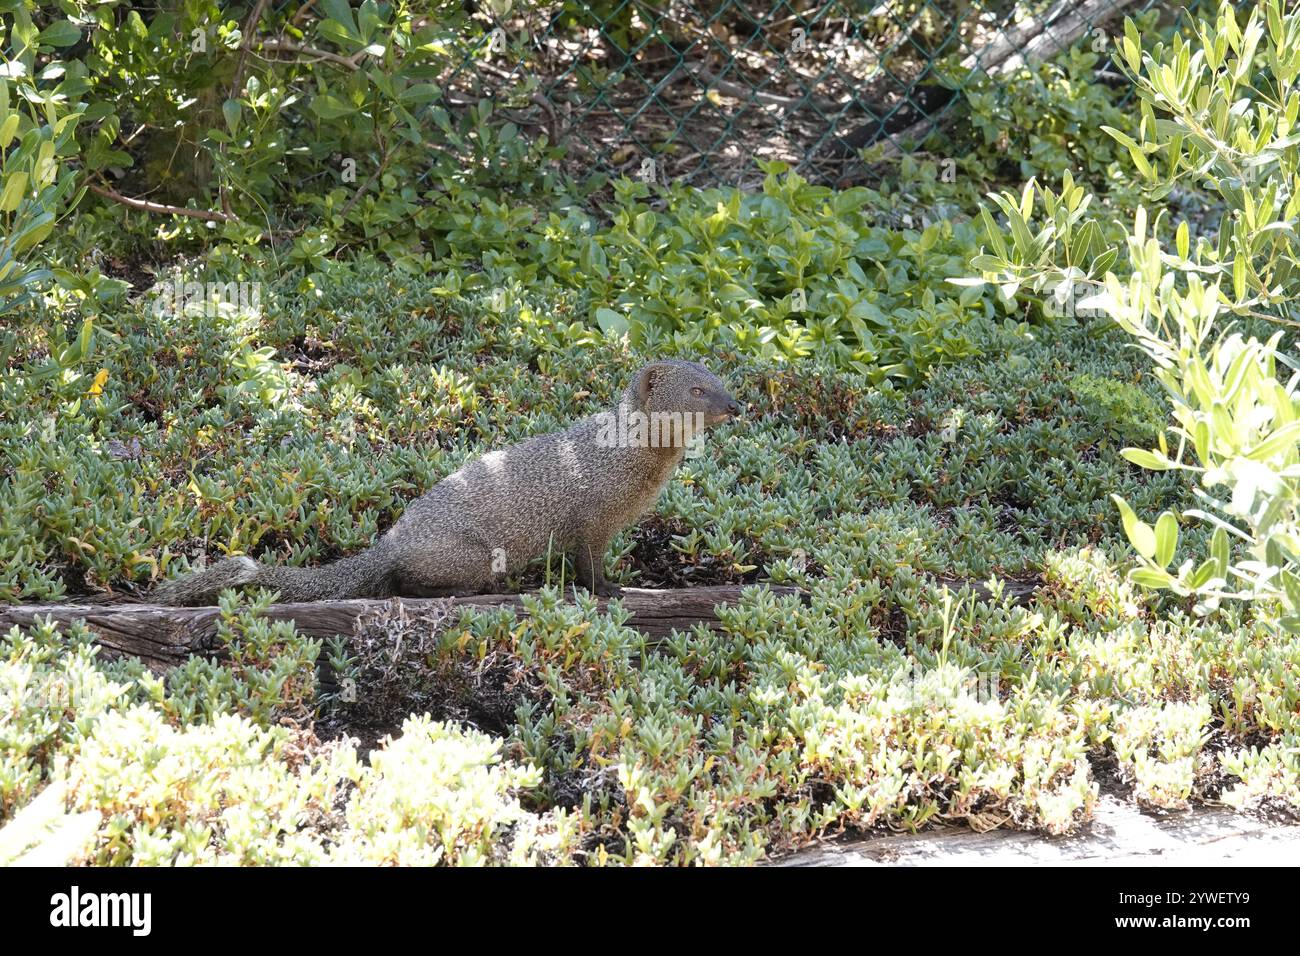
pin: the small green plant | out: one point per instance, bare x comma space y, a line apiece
44, 834
440, 795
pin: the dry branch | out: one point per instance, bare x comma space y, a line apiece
157, 207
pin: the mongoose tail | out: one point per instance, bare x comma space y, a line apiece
358, 576
202, 587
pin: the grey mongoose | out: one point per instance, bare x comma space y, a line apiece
568, 491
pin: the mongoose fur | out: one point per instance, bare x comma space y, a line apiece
568, 491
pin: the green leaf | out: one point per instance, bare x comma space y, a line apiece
1132, 45
1291, 586
328, 106
14, 190
233, 112
1147, 459
1281, 441
612, 322
1122, 138
340, 11
1203, 574
85, 339
59, 33
1219, 552
1140, 161
1139, 532
1151, 577
1166, 538
993, 232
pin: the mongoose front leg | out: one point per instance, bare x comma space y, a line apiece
589, 564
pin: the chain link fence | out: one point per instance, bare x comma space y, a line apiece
697, 92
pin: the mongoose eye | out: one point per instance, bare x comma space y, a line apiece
697, 391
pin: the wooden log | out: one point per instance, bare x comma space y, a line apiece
163, 636
1016, 592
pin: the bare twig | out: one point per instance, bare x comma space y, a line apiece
237, 84
356, 197
162, 208
288, 46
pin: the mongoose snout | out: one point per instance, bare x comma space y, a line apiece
721, 407
569, 491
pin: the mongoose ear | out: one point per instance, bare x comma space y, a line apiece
647, 379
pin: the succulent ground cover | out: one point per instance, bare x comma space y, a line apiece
934, 464
892, 697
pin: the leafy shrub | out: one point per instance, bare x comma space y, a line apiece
440, 795
167, 786
309, 137
226, 791
794, 270
1043, 116
268, 673
1159, 746
1233, 410
37, 132
51, 694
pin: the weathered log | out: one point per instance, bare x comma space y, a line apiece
1016, 592
163, 636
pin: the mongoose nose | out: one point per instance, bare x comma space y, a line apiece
734, 409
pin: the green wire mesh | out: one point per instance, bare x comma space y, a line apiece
696, 92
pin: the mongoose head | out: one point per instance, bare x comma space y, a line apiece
683, 388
